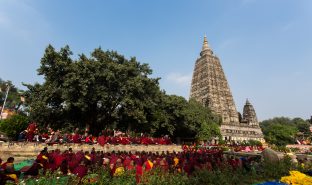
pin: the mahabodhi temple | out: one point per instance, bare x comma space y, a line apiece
210, 87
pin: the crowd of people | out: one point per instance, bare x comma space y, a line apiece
107, 136
81, 162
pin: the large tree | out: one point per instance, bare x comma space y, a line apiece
108, 90
180, 118
93, 91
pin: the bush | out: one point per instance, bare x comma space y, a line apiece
225, 175
254, 142
14, 125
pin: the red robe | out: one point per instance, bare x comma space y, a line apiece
80, 171
138, 173
101, 140
43, 160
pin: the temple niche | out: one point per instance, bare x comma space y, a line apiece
210, 87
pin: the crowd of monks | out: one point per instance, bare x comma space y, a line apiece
107, 136
81, 162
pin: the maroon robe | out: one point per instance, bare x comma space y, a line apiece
80, 171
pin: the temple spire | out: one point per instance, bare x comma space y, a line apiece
247, 102
205, 47
205, 44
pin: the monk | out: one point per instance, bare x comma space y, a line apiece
81, 170
138, 170
118, 168
9, 171
3, 177
31, 131
43, 160
148, 164
101, 140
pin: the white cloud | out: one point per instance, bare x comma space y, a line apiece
179, 79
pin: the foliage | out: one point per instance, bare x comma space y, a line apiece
168, 116
199, 117
251, 142
254, 142
275, 170
283, 149
259, 172
208, 131
179, 118
160, 177
13, 100
281, 130
14, 125
106, 90
280, 135
302, 125
98, 91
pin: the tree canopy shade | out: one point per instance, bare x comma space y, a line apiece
106, 90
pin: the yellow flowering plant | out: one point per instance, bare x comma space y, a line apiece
297, 178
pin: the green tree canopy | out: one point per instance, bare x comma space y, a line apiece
95, 91
208, 131
108, 90
282, 130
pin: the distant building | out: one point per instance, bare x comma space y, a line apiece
210, 87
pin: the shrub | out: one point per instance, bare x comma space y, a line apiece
14, 125
225, 175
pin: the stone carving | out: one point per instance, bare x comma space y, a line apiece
210, 87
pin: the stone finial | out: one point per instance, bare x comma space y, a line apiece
247, 102
205, 44
206, 47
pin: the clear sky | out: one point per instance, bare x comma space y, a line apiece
265, 46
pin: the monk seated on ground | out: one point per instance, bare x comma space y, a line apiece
3, 177
33, 170
9, 171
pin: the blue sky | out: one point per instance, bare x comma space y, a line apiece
265, 46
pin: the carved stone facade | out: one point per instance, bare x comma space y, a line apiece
210, 87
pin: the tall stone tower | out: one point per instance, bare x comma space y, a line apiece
210, 87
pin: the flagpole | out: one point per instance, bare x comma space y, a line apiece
6, 96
